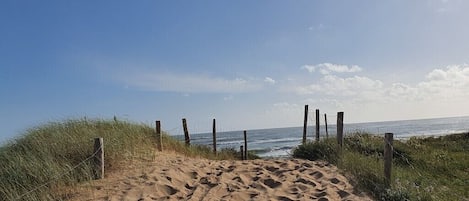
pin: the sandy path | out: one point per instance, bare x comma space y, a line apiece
175, 177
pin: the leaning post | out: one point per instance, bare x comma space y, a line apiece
305, 124
340, 129
317, 125
245, 146
99, 158
214, 133
186, 132
388, 152
159, 136
325, 122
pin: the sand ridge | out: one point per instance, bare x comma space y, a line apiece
174, 177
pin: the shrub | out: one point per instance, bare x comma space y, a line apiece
322, 150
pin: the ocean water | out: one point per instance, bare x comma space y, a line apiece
278, 142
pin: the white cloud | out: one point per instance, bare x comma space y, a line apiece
441, 91
403, 91
337, 86
309, 68
327, 68
189, 83
452, 82
269, 80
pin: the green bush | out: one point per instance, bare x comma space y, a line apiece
394, 195
323, 150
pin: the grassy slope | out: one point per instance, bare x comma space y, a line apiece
48, 154
423, 169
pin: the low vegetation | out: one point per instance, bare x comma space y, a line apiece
423, 168
38, 164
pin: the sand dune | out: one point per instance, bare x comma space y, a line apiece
175, 177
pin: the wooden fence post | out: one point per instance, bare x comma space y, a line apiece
214, 132
99, 158
317, 125
186, 132
241, 150
305, 125
340, 129
325, 122
388, 152
245, 146
159, 136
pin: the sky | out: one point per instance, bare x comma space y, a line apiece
249, 64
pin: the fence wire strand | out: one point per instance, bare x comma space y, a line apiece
60, 175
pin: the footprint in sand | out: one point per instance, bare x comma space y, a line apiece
232, 188
343, 194
272, 168
253, 195
257, 186
188, 187
193, 175
304, 181
284, 198
272, 183
321, 194
302, 187
302, 169
279, 173
307, 165
257, 169
238, 179
208, 181
231, 168
243, 179
284, 165
294, 190
335, 180
256, 178
323, 199
317, 174
169, 190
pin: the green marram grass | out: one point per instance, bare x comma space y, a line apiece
47, 158
423, 168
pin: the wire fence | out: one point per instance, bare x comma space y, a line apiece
60, 175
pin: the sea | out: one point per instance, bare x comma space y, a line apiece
279, 142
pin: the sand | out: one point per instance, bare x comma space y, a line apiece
174, 177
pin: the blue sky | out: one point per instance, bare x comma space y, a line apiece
250, 64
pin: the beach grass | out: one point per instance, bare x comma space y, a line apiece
38, 164
432, 168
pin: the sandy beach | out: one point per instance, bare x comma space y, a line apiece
174, 177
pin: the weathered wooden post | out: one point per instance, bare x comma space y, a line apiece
340, 129
241, 150
305, 125
317, 125
325, 122
214, 132
388, 152
99, 158
245, 146
186, 132
159, 136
